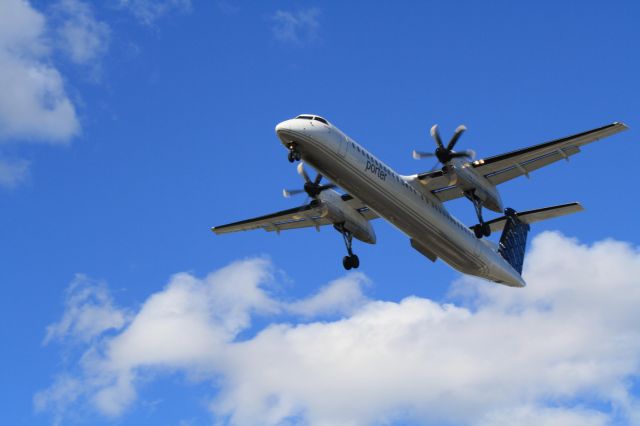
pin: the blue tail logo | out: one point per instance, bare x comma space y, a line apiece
513, 240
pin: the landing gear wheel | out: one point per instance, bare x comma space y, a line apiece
350, 260
486, 229
346, 262
477, 230
293, 155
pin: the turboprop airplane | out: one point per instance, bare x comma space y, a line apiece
414, 203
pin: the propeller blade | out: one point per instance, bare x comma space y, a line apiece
417, 155
302, 172
287, 193
471, 154
436, 136
318, 179
454, 139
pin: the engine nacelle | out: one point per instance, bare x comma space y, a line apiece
464, 176
338, 211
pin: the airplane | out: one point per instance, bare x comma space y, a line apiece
415, 203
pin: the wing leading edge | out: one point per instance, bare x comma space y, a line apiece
501, 168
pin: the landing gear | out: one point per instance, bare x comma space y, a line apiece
482, 229
351, 260
294, 154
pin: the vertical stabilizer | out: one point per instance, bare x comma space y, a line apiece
513, 241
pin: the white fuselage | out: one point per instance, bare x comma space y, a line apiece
396, 198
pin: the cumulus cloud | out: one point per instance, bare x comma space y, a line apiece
342, 296
34, 104
89, 312
148, 11
13, 172
297, 27
83, 38
553, 353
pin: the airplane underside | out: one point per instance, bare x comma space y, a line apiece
415, 203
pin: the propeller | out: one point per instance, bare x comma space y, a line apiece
442, 153
311, 187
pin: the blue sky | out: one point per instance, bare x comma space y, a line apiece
129, 128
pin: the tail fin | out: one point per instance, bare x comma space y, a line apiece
513, 240
516, 228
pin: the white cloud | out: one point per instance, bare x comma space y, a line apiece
13, 172
83, 38
342, 296
540, 355
33, 104
65, 391
296, 27
89, 312
148, 11
544, 416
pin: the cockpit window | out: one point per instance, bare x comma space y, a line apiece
305, 117
322, 120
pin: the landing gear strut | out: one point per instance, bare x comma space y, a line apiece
482, 228
351, 260
294, 154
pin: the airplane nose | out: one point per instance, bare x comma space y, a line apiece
283, 126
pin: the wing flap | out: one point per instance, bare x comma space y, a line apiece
519, 168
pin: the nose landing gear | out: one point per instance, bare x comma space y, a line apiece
294, 154
351, 260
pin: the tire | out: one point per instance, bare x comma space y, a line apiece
290, 157
478, 231
297, 156
486, 230
355, 262
346, 262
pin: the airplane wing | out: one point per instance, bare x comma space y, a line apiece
306, 216
504, 167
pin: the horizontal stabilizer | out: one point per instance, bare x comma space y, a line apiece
537, 215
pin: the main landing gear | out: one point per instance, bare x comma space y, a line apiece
294, 154
482, 228
351, 260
